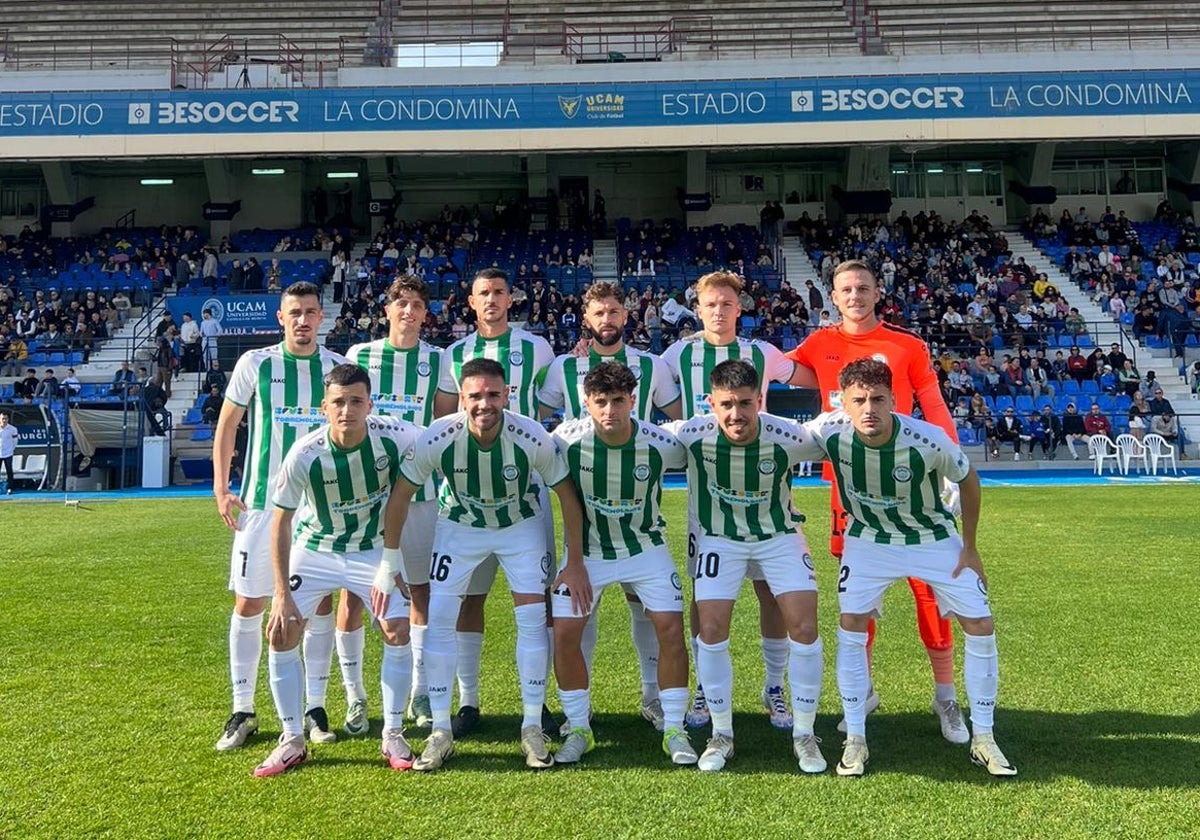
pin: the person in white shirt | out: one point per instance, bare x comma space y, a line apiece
8, 447
189, 336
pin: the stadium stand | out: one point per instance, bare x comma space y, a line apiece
949, 26
55, 34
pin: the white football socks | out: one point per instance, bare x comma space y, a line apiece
287, 687
441, 652
645, 642
714, 666
674, 705
350, 645
318, 658
418, 655
245, 651
470, 649
854, 680
576, 705
806, 666
532, 652
395, 681
981, 674
775, 657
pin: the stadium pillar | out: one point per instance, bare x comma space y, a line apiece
696, 182
1032, 171
1183, 178
868, 182
62, 189
379, 182
537, 179
220, 191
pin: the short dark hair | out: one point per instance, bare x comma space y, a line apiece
491, 273
302, 288
733, 374
482, 367
609, 378
866, 373
408, 283
346, 375
599, 291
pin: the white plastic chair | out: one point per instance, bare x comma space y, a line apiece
1130, 449
1158, 449
1101, 448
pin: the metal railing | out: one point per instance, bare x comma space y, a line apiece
1048, 35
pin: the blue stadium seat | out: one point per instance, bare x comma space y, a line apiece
1090, 386
1004, 402
1024, 404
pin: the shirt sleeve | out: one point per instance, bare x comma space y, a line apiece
545, 458
779, 367
292, 482
543, 355
551, 393
420, 459
665, 388
446, 380
949, 460
241, 384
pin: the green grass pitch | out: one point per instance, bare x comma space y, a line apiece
113, 623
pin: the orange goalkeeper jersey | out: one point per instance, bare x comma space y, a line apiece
830, 349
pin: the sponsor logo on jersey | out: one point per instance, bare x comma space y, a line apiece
613, 507
872, 500
291, 415
399, 403
488, 503
701, 404
510, 473
902, 473
359, 503
641, 472
742, 498
766, 467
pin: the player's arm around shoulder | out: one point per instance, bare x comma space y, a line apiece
670, 448
799, 443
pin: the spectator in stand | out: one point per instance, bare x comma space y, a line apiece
48, 388
1009, 430
154, 403
210, 268
1054, 431
164, 363
274, 274
1074, 429
1194, 377
189, 338
215, 376
16, 355
1137, 423
1096, 422
210, 409
1074, 323
979, 412
962, 413
991, 436
9, 438
210, 330
1150, 384
1159, 404
255, 279
1167, 426
1035, 434
70, 385
1107, 379
1128, 378
122, 380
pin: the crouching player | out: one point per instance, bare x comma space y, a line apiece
341, 474
890, 469
740, 494
617, 464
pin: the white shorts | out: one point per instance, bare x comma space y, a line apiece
485, 574
315, 574
753, 570
459, 551
250, 572
722, 564
650, 575
416, 541
869, 568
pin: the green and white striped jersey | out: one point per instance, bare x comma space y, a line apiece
403, 384
524, 356
282, 397
343, 491
744, 492
563, 387
620, 487
691, 361
893, 492
486, 488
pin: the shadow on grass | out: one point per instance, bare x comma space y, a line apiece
1107, 748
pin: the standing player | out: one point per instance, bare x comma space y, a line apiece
339, 477
524, 357
281, 387
821, 357
491, 460
404, 375
691, 362
604, 317
740, 464
890, 469
617, 464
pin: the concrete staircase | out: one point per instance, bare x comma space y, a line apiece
798, 265
605, 268
1106, 331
